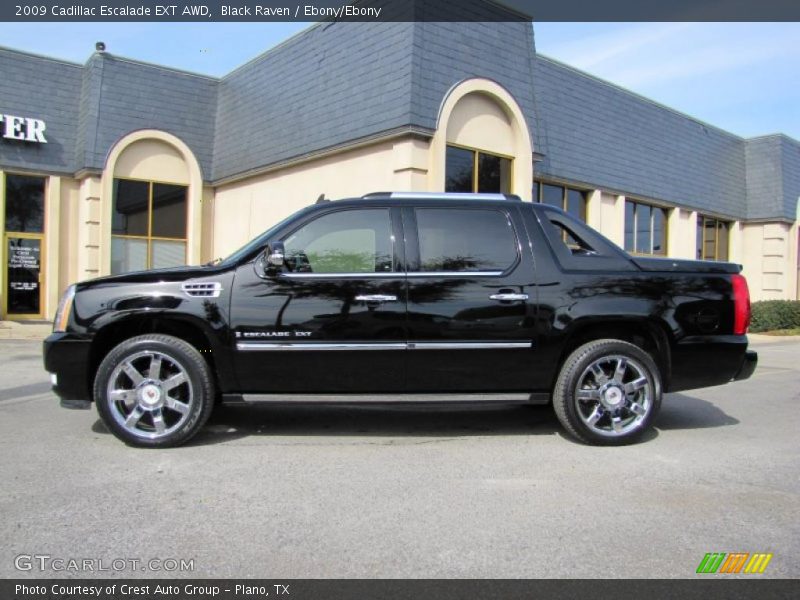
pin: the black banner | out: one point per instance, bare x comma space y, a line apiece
401, 10
391, 589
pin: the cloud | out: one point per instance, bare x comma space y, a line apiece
659, 53
701, 56
743, 77
594, 50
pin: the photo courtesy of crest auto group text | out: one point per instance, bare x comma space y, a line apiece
432, 299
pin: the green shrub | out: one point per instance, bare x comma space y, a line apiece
769, 315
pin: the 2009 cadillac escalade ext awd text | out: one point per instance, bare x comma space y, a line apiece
404, 297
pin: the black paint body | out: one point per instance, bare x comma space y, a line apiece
682, 311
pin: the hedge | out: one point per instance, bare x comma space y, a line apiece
769, 315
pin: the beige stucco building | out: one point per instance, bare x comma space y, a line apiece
124, 165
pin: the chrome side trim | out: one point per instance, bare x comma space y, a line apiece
462, 274
290, 346
468, 345
377, 398
310, 346
393, 275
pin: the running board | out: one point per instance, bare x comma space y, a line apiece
509, 398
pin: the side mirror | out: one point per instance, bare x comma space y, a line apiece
275, 254
271, 260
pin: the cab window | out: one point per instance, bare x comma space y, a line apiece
348, 241
465, 240
573, 242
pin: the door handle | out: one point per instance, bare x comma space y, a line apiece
375, 298
508, 297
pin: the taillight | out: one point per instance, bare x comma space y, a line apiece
741, 305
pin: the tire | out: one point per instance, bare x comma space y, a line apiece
608, 393
154, 410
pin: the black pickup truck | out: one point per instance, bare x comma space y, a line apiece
404, 297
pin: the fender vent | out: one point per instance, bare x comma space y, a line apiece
206, 289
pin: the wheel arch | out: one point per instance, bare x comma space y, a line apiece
187, 329
648, 334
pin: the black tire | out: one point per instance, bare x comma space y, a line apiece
162, 409
625, 406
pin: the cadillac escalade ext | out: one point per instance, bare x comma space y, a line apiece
404, 297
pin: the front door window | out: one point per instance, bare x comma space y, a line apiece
351, 241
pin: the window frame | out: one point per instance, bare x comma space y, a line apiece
149, 238
653, 207
718, 224
565, 189
476, 152
411, 227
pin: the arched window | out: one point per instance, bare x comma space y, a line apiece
148, 225
150, 193
482, 143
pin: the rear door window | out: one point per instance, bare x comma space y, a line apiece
466, 240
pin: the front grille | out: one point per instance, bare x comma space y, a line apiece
206, 289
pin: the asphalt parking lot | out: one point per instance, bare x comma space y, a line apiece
399, 492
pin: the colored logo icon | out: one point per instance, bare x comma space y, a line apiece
734, 562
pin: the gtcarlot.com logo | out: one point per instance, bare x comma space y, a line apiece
734, 562
46, 562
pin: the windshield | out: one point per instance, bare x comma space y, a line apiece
254, 245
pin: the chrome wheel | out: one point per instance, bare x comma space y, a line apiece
614, 395
149, 394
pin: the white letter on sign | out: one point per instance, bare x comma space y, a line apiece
35, 131
13, 129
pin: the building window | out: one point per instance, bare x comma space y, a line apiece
24, 245
712, 238
25, 203
148, 227
645, 228
468, 170
567, 199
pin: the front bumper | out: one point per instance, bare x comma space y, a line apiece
748, 365
67, 357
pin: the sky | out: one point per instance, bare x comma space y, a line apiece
742, 77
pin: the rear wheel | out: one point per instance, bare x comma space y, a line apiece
607, 393
154, 391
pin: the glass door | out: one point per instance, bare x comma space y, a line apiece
23, 276
23, 247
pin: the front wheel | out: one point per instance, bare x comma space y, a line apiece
154, 391
607, 393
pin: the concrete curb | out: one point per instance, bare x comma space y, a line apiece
13, 330
760, 338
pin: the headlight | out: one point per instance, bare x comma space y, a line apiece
64, 309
